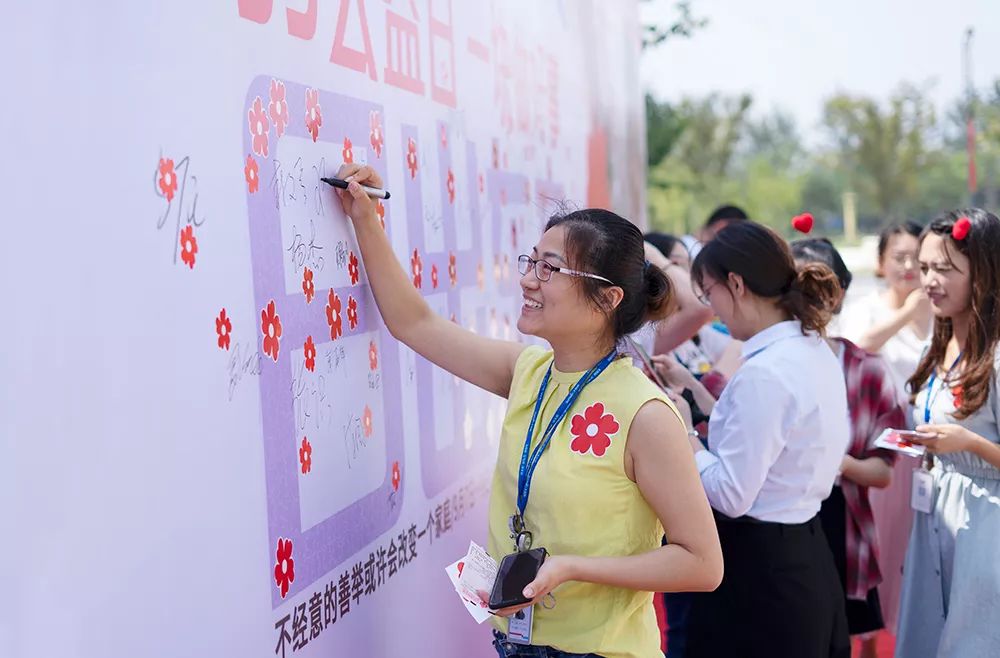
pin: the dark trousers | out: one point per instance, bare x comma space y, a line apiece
780, 596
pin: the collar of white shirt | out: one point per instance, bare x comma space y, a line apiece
764, 339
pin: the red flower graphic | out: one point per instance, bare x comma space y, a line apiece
270, 326
366, 422
333, 315
444, 137
434, 276
352, 312
348, 152
375, 136
284, 567
372, 355
396, 476
592, 430
314, 113
223, 327
259, 125
451, 187
250, 173
168, 178
277, 108
480, 277
411, 157
417, 268
309, 351
352, 268
380, 211
189, 246
308, 289
305, 455
452, 269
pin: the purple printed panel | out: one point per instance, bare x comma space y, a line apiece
329, 386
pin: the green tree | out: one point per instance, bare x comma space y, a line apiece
882, 150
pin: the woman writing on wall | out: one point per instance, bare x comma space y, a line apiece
951, 579
594, 461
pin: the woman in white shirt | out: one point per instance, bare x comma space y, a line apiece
776, 438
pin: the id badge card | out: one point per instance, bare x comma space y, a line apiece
922, 493
519, 626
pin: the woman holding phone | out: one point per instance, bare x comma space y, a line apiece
951, 579
594, 461
777, 437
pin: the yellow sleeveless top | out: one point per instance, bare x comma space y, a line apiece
581, 503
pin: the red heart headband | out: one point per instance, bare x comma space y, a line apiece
961, 228
803, 223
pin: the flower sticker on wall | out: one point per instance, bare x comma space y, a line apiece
380, 211
352, 312
444, 137
189, 246
366, 422
308, 288
305, 455
223, 329
397, 476
277, 108
411, 157
348, 151
251, 172
333, 315
167, 179
259, 125
352, 268
434, 276
372, 356
314, 113
309, 352
592, 430
270, 327
452, 269
375, 137
284, 567
417, 269
451, 187
480, 277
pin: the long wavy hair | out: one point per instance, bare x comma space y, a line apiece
982, 247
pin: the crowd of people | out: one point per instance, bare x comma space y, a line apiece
703, 423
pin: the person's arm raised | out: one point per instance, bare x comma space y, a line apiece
485, 362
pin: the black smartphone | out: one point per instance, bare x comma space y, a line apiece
516, 571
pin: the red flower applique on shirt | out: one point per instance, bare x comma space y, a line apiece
592, 430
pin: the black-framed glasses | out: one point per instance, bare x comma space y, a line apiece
544, 269
704, 296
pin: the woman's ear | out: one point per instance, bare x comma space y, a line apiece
613, 296
736, 285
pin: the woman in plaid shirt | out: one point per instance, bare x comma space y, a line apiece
848, 522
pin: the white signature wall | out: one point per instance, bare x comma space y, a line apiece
211, 446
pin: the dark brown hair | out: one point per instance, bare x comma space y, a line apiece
600, 242
763, 259
980, 246
906, 228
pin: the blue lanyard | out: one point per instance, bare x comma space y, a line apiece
928, 401
528, 463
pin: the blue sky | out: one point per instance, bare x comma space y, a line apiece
793, 55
